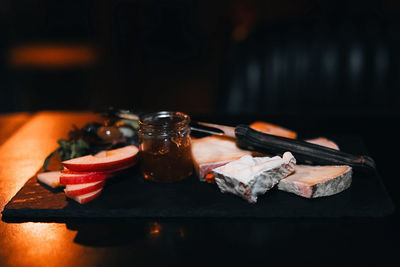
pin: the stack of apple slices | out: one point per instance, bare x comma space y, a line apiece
84, 177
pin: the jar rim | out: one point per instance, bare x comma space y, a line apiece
176, 118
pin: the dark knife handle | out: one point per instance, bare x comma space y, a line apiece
304, 152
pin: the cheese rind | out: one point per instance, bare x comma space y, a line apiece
317, 181
249, 177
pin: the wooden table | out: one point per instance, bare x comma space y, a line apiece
26, 139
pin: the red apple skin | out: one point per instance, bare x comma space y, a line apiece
118, 170
85, 190
87, 199
74, 177
66, 179
79, 164
99, 167
110, 172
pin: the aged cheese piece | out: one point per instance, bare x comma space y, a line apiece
317, 181
212, 152
250, 176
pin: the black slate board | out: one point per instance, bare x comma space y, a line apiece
131, 196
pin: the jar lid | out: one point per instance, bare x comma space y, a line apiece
164, 119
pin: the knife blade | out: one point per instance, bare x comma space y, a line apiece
303, 151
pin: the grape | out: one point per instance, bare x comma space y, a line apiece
91, 128
108, 133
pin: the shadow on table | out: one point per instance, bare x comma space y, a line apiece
250, 231
228, 241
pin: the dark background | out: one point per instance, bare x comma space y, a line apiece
203, 57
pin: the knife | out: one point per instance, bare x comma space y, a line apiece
304, 152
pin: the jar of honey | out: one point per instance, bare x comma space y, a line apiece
165, 147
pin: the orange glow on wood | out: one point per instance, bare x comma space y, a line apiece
47, 55
21, 155
39, 244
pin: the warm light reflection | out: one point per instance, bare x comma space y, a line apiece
155, 228
39, 243
51, 55
38, 232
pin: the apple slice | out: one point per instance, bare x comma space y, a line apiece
82, 189
120, 169
113, 159
110, 172
101, 154
82, 199
83, 178
51, 179
73, 177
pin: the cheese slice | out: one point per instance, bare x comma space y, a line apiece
317, 181
249, 177
214, 151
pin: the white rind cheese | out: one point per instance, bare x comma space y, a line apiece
211, 152
249, 177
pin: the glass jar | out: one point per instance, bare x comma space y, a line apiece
165, 147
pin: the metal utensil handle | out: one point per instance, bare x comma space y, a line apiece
301, 150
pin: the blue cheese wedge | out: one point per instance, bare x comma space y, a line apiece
249, 177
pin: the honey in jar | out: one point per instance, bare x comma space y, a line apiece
165, 147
